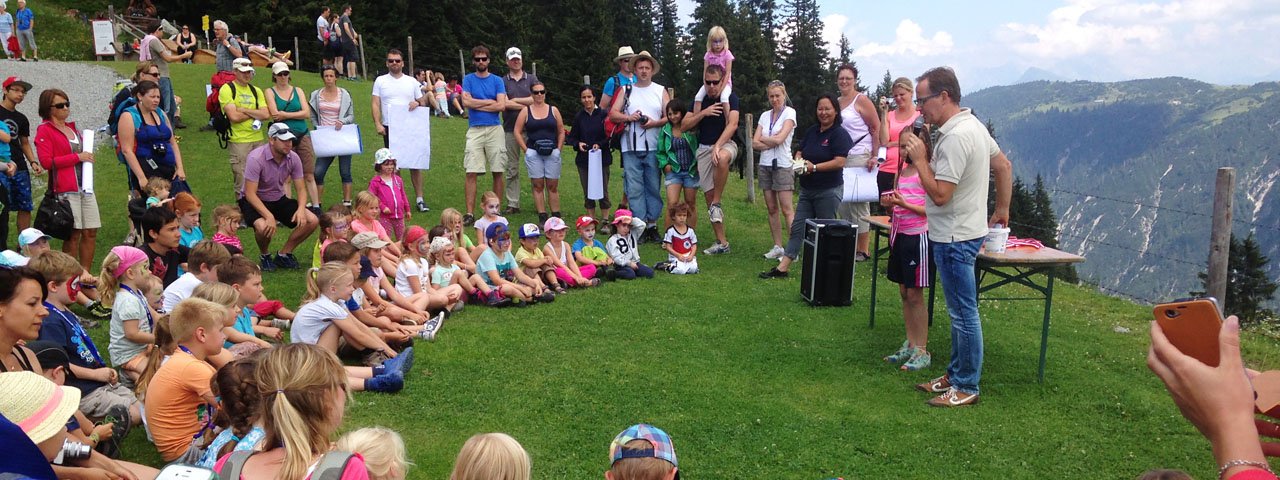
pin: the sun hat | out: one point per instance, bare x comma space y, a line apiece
585, 221
11, 81
553, 224
644, 55
529, 230
624, 53
414, 234
129, 256
365, 240
514, 53
622, 215
278, 68
280, 131
242, 65
30, 236
382, 155
439, 244
662, 446
495, 229
38, 406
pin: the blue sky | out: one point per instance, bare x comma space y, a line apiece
995, 42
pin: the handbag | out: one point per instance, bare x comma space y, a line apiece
54, 216
544, 146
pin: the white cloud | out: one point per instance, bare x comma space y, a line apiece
832, 27
909, 40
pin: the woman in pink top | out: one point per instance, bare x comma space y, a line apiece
891, 125
910, 264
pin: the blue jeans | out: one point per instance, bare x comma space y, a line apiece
956, 271
166, 97
644, 188
344, 168
819, 203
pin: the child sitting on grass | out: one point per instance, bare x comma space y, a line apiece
489, 201
499, 269
534, 262
589, 251
451, 220
489, 456
382, 449
227, 219
202, 267
381, 316
624, 246
379, 290
680, 242
364, 218
413, 273
246, 278
335, 226
179, 399
239, 342
447, 273
187, 207
123, 272
558, 252
239, 415
642, 452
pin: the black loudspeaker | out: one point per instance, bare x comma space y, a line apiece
827, 272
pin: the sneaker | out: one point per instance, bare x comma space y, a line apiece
920, 359
715, 213
457, 307
902, 354
937, 385
287, 261
542, 218
468, 220
512, 210
422, 206
775, 253
546, 297
432, 326
717, 249
281, 323
266, 264
346, 203
99, 310
664, 266
774, 273
402, 363
953, 398
861, 257
611, 273
390, 383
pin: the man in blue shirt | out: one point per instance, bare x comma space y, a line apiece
484, 95
26, 37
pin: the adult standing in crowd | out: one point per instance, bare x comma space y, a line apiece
396, 90
862, 121
155, 51
822, 155
485, 96
246, 109
322, 31
519, 85
642, 111
350, 42
228, 47
26, 32
716, 148
587, 135
891, 124
619, 81
186, 42
773, 136
332, 106
286, 105
263, 203
955, 179
545, 129
146, 138
19, 185
61, 150
6, 30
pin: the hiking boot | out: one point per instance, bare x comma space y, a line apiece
715, 213
664, 266
919, 360
177, 123
390, 383
902, 354
287, 261
266, 264
401, 363
937, 385
717, 249
953, 398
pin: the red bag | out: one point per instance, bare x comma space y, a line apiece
217, 81
612, 129
14, 48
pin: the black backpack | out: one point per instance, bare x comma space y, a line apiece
222, 124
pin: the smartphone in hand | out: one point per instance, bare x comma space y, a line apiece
1192, 325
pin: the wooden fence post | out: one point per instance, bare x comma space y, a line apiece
1220, 239
297, 54
410, 40
364, 66
115, 32
750, 161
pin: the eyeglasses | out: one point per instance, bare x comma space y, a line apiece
920, 101
479, 59
538, 92
61, 105
394, 60
712, 82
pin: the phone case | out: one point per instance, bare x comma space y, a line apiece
1192, 326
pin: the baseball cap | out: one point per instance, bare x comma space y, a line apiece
514, 52
662, 446
37, 405
30, 236
280, 131
553, 224
364, 240
382, 155
495, 229
17, 81
585, 221
10, 258
622, 215
242, 65
278, 68
529, 230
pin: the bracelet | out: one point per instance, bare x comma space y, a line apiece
1243, 463
93, 437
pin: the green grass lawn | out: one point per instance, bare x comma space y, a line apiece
750, 381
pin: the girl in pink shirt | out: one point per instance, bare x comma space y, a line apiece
388, 187
365, 218
718, 54
910, 263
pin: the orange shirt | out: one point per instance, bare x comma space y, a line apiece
175, 409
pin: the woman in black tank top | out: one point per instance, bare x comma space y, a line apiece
545, 130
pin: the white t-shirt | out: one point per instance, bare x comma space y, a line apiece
411, 268
313, 318
179, 290
393, 91
647, 100
127, 306
321, 25
779, 156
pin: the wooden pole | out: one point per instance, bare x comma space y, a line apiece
410, 54
364, 66
462, 65
115, 32
1220, 239
750, 160
297, 53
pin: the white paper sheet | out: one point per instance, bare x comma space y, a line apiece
595, 175
86, 168
330, 142
860, 185
410, 136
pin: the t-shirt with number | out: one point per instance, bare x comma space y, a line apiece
682, 243
313, 318
246, 97
175, 407
489, 262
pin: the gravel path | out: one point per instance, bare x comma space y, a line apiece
90, 88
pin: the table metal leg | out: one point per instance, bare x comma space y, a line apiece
1044, 332
875, 277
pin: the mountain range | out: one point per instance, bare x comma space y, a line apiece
1131, 168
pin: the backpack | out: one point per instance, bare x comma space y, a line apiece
218, 118
330, 466
611, 129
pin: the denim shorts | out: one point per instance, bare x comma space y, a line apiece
684, 179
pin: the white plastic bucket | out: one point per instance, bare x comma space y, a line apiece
997, 237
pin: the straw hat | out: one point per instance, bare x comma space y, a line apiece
624, 53
36, 404
644, 55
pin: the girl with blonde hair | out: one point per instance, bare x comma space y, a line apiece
383, 451
492, 456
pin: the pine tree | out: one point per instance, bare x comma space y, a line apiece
1248, 287
846, 50
752, 69
883, 90
804, 58
667, 48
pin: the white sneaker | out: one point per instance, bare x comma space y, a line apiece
715, 213
775, 253
717, 249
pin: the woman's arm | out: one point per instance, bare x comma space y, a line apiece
559, 128
305, 113
314, 102
521, 118
180, 171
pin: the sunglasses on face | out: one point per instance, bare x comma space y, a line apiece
394, 60
539, 92
479, 59
282, 74
62, 105
712, 83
